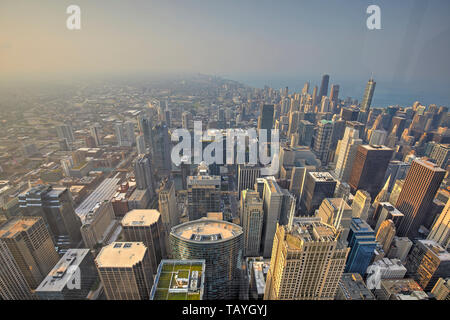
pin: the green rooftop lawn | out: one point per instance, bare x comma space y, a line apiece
183, 273
177, 296
196, 267
164, 279
161, 294
167, 268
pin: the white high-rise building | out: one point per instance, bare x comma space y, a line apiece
346, 153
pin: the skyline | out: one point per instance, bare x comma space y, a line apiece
282, 44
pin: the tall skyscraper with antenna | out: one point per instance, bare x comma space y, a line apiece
368, 95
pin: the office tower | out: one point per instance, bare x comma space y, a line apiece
346, 153
247, 176
361, 240
361, 205
305, 89
203, 195
145, 225
398, 185
167, 117
188, 283
369, 167
334, 93
95, 133
396, 170
386, 234
400, 289
143, 174
307, 262
385, 211
252, 218
186, 120
400, 248
322, 140
440, 232
342, 190
368, 95
167, 204
60, 282
140, 144
297, 179
293, 123
324, 86
352, 287
125, 134
65, 132
441, 290
265, 119
287, 211
125, 271
389, 268
337, 213
55, 206
221, 245
427, 262
31, 247
13, 285
377, 137
317, 187
305, 133
272, 203
161, 149
418, 191
349, 114
98, 225
440, 153
145, 129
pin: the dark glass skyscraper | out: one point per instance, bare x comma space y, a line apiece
324, 86
368, 95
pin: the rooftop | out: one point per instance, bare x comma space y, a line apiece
140, 217
121, 255
179, 280
322, 176
16, 225
206, 230
62, 273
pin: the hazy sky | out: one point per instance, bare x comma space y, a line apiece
249, 40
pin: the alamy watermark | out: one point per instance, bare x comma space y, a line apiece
242, 143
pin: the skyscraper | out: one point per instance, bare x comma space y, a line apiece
145, 225
307, 262
13, 285
368, 95
440, 231
56, 285
334, 93
418, 191
167, 203
324, 86
337, 213
220, 244
31, 247
346, 153
265, 119
322, 140
161, 149
369, 167
203, 195
273, 198
427, 262
125, 271
317, 187
361, 205
386, 234
55, 206
143, 173
252, 217
247, 176
65, 132
361, 240
95, 133
305, 133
